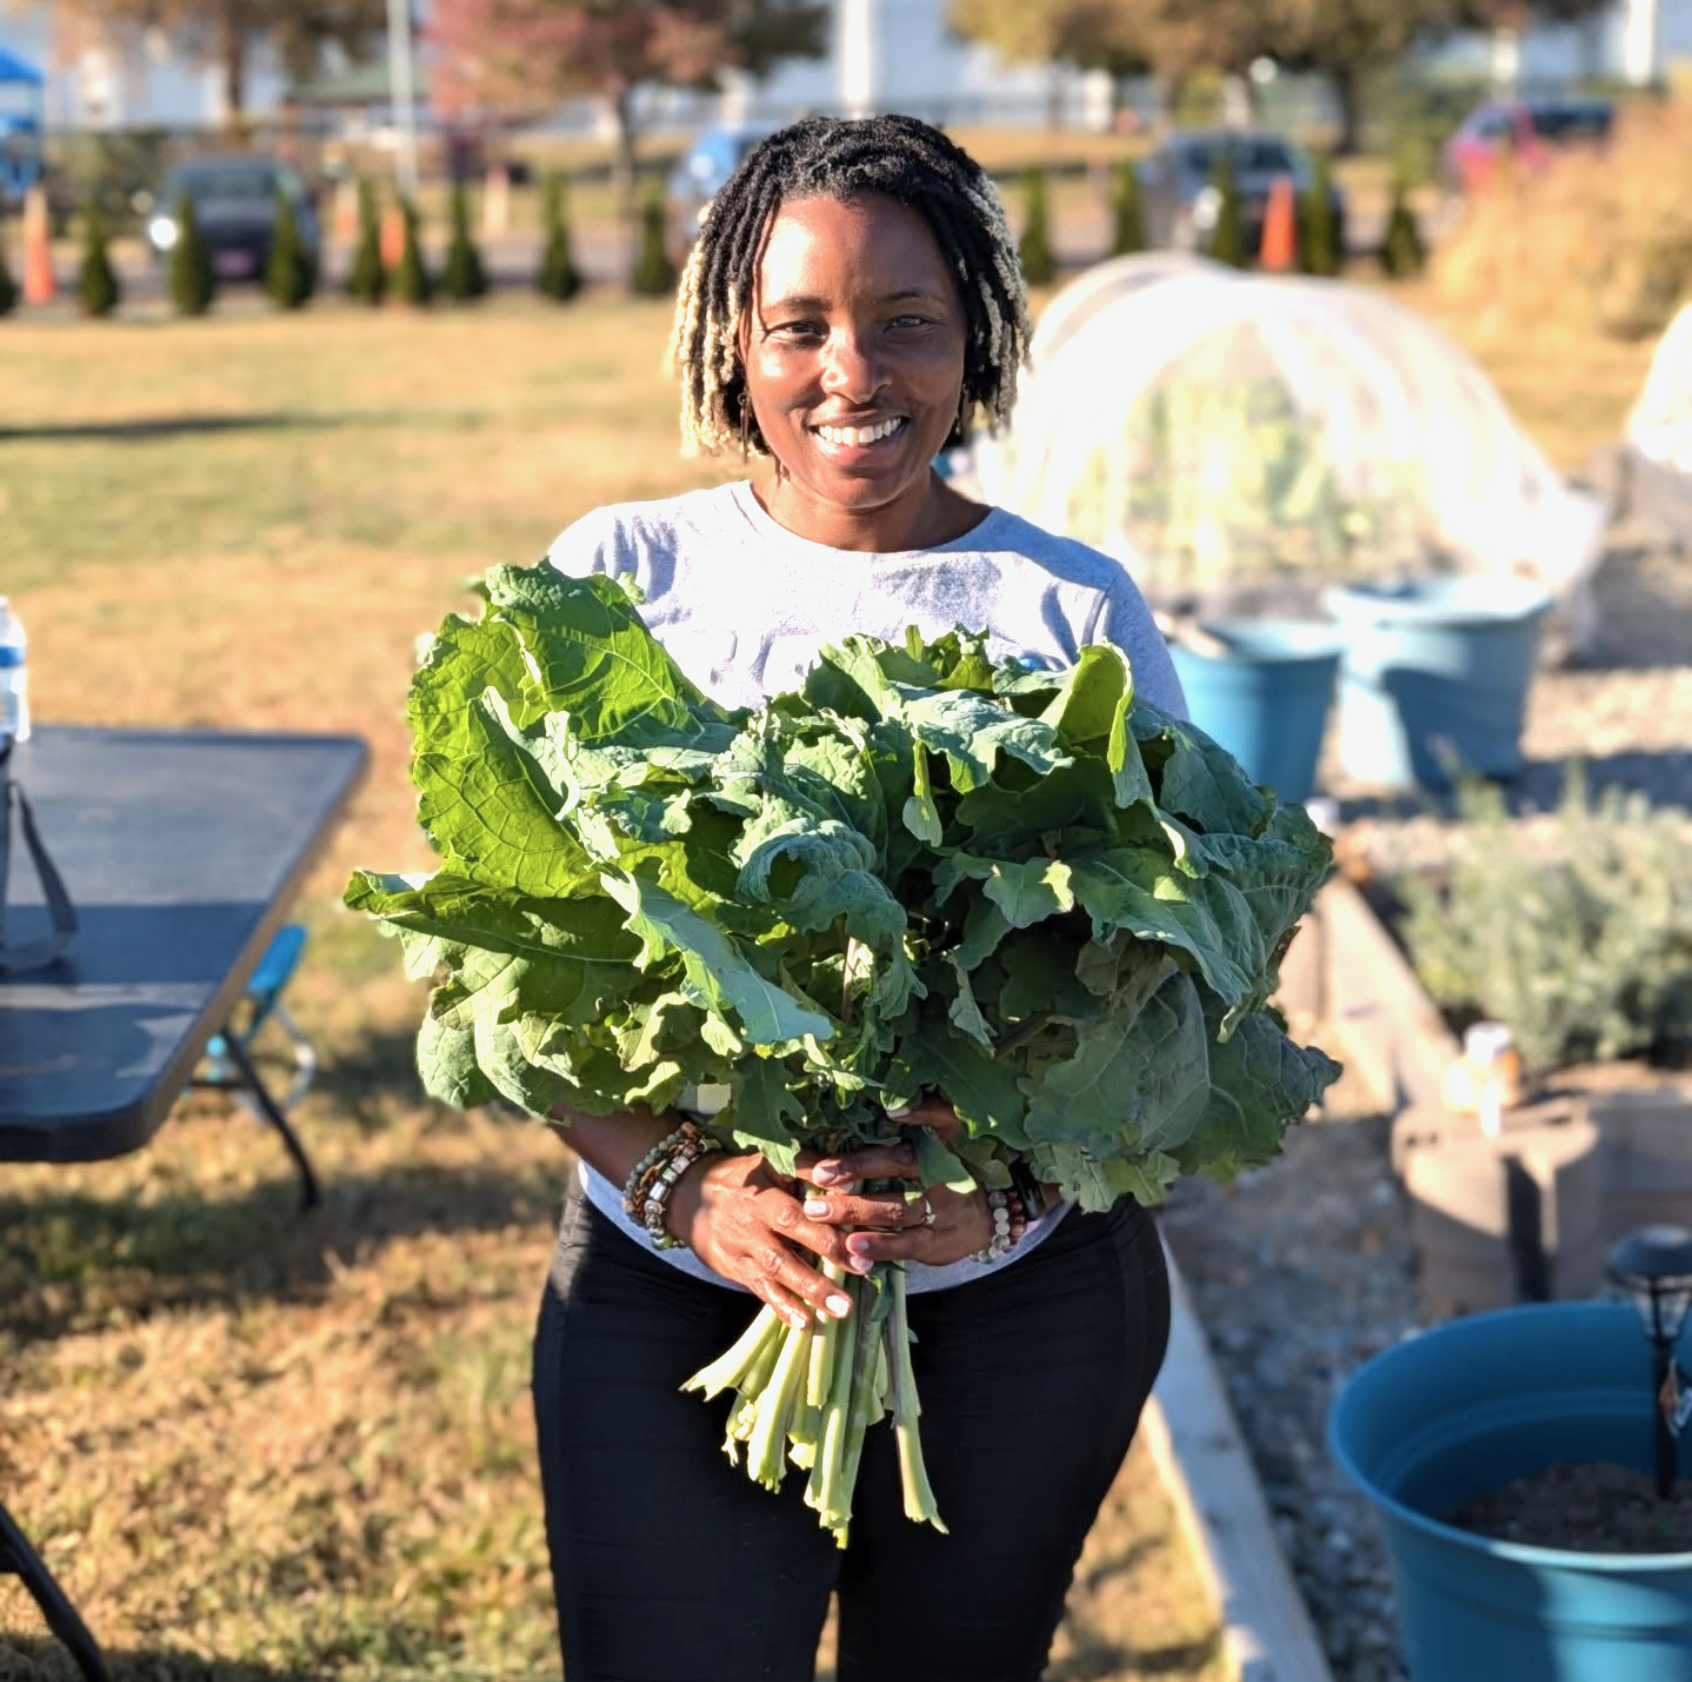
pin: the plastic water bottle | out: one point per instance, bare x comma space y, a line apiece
14, 675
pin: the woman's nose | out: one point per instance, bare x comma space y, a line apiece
851, 367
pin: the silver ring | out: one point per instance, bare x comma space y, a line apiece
928, 1216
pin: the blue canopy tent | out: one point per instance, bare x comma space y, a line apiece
20, 129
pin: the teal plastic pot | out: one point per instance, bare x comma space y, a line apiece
1469, 1406
1435, 676
1266, 698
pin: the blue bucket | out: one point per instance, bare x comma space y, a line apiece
1266, 698
1435, 670
1474, 1404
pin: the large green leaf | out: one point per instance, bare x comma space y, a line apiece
720, 973
1133, 889
1259, 1082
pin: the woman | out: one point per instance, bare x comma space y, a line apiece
853, 301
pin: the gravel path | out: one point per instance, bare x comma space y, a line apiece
1304, 1269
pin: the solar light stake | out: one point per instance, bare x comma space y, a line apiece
1654, 1267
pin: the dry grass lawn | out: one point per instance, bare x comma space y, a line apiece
256, 1447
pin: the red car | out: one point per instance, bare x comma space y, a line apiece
1535, 130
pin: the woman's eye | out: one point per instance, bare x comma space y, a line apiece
911, 321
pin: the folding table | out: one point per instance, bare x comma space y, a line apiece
181, 852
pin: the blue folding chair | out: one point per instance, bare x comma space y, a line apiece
228, 1065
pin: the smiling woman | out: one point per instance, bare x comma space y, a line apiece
853, 304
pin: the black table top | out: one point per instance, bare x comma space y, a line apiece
181, 851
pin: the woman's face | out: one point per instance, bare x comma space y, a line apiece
854, 352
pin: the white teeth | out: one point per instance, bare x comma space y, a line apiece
852, 436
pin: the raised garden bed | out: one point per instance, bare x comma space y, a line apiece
1530, 1213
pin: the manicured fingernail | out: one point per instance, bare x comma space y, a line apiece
816, 1206
824, 1172
841, 1306
903, 1110
799, 1321
859, 1264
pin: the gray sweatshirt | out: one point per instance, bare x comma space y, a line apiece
741, 603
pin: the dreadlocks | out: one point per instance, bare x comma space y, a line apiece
829, 157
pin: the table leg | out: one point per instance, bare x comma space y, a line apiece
309, 1195
19, 1559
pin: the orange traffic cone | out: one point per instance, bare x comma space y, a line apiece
393, 234
1279, 250
37, 248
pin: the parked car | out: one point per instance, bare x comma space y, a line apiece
1534, 130
1179, 199
697, 179
234, 199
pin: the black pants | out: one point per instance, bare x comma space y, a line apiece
672, 1566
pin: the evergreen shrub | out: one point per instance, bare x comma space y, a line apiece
1034, 249
97, 281
1128, 221
1227, 235
367, 282
1403, 251
464, 279
1319, 250
411, 281
290, 275
557, 278
654, 274
193, 286
8, 286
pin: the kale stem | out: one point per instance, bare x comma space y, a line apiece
734, 1363
920, 1504
765, 1453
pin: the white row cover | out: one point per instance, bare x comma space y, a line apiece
1659, 426
1214, 429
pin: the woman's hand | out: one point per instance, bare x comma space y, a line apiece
742, 1219
936, 1227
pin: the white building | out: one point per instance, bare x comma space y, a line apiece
150, 85
884, 54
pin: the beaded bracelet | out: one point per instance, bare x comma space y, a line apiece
647, 1167
694, 1144
1008, 1227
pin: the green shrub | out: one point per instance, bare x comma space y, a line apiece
654, 274
193, 286
1227, 235
8, 286
1128, 221
464, 279
290, 276
1034, 249
411, 281
1579, 940
557, 278
97, 282
367, 281
1403, 252
1319, 250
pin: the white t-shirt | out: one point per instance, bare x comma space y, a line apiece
741, 603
